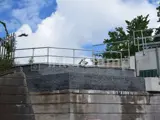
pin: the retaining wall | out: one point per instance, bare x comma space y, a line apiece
95, 105
37, 95
15, 103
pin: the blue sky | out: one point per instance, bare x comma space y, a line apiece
69, 23
71, 13
8, 8
9, 12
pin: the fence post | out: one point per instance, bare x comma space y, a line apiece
14, 47
0, 50
3, 50
121, 60
134, 37
73, 56
48, 55
33, 53
142, 41
157, 59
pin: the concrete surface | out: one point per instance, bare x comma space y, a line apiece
74, 80
15, 103
152, 84
95, 105
46, 69
76, 95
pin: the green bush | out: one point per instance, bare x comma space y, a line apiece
5, 64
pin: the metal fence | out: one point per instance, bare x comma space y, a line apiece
55, 55
7, 47
7, 50
148, 55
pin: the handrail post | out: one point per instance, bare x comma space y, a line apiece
121, 60
48, 55
142, 41
93, 57
33, 53
73, 56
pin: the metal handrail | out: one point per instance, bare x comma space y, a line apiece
62, 56
48, 55
55, 48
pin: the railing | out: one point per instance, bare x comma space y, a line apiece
66, 56
7, 48
7, 43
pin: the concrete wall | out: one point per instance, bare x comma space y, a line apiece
132, 62
14, 99
148, 60
95, 105
76, 96
46, 69
19, 102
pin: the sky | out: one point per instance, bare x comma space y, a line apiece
69, 23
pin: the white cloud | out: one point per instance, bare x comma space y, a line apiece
29, 10
78, 22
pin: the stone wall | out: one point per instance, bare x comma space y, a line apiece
61, 81
46, 69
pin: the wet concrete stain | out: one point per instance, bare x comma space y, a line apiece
80, 105
130, 107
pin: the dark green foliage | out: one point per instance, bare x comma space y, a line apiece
5, 64
138, 23
114, 43
157, 39
6, 60
31, 60
115, 36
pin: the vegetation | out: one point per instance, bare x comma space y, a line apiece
31, 60
157, 39
120, 40
6, 59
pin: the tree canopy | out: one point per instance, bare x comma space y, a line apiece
5, 60
120, 39
157, 32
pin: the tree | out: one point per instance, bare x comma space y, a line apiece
157, 32
6, 61
8, 45
116, 38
